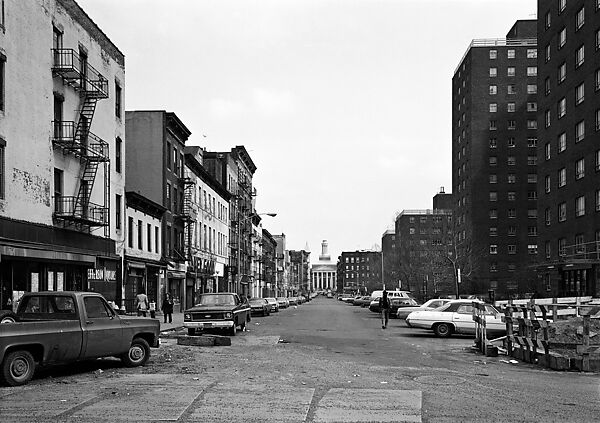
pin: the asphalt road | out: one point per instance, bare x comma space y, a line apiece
323, 361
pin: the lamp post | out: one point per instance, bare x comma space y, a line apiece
239, 250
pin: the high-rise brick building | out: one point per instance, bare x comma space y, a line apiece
494, 160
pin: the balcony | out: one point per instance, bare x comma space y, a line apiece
76, 72
69, 209
64, 135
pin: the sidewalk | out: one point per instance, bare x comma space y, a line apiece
177, 321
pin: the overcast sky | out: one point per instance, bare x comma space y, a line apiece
343, 105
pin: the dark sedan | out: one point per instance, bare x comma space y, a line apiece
259, 306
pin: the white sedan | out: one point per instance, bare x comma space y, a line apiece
432, 304
456, 317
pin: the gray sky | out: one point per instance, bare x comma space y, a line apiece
344, 105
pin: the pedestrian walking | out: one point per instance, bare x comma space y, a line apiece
167, 308
142, 303
384, 306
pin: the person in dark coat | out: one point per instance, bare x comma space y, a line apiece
384, 306
167, 308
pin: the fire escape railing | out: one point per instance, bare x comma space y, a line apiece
77, 73
92, 148
68, 207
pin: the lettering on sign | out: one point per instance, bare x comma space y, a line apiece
102, 274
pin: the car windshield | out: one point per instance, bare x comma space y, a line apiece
211, 299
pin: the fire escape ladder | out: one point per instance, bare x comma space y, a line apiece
86, 184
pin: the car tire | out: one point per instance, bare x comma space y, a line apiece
442, 330
138, 353
191, 331
7, 317
233, 329
18, 368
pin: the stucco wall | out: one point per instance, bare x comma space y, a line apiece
136, 250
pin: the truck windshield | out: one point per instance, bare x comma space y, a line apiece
217, 300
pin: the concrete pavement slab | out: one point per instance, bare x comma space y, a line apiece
369, 405
250, 402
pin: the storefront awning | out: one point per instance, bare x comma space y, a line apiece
32, 253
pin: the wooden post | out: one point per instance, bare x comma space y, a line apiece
509, 327
586, 344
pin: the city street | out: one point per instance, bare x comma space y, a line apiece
324, 361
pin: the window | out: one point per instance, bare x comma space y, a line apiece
532, 178
493, 178
118, 99
562, 177
130, 232
580, 206
493, 107
547, 216
95, 308
2, 21
597, 155
510, 142
580, 18
547, 50
118, 211
531, 89
512, 249
512, 231
562, 4
512, 196
168, 155
512, 125
532, 53
579, 169
2, 170
597, 200
532, 142
140, 228
149, 236
168, 196
597, 119
547, 119
511, 178
510, 71
579, 56
175, 161
493, 213
493, 231
579, 243
597, 39
579, 93
547, 150
510, 89
532, 213
511, 161
547, 183
511, 107
493, 249
493, 142
2, 82
512, 213
493, 196
156, 240
562, 107
562, 212
493, 161
580, 131
531, 160
118, 153
562, 72
493, 126
562, 246
532, 107
493, 72
510, 53
493, 267
493, 54
562, 38
531, 70
532, 248
493, 89
562, 142
547, 85
596, 83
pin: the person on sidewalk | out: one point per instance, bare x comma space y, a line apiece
384, 306
141, 303
167, 308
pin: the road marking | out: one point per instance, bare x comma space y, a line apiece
369, 405
243, 402
43, 401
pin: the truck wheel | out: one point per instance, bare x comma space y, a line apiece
442, 330
18, 368
138, 354
233, 330
7, 317
191, 331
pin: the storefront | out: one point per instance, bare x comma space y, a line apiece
143, 276
176, 285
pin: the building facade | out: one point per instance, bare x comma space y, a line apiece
391, 259
360, 271
568, 154
269, 260
206, 231
62, 179
155, 170
323, 274
282, 266
299, 273
494, 162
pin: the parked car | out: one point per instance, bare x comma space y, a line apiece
363, 301
274, 304
63, 327
283, 302
398, 303
330, 295
223, 310
428, 305
376, 295
345, 297
293, 301
456, 317
259, 306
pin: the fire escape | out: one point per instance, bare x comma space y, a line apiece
188, 214
75, 138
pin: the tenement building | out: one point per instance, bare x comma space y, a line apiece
62, 174
360, 271
569, 148
494, 162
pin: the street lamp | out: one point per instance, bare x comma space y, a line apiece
239, 250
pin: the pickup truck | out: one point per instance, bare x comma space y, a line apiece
223, 310
62, 327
